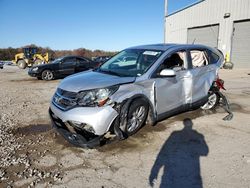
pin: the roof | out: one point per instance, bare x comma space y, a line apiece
162, 47
165, 47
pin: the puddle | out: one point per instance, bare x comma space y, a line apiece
238, 108
34, 80
9, 72
247, 92
59, 139
33, 129
25, 80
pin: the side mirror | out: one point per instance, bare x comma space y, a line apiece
167, 73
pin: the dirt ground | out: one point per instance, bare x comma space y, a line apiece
208, 152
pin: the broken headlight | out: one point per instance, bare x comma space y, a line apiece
96, 97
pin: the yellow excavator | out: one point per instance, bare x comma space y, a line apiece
29, 57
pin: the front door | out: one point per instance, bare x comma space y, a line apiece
173, 92
67, 66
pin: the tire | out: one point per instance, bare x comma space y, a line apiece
21, 64
228, 65
137, 115
47, 75
213, 101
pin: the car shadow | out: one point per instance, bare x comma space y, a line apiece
180, 159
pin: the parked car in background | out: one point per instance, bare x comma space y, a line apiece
1, 65
150, 82
62, 67
8, 63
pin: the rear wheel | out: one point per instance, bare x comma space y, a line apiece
47, 75
213, 101
21, 64
137, 115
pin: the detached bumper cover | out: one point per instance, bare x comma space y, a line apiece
73, 138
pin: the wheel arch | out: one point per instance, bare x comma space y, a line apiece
122, 108
151, 117
44, 69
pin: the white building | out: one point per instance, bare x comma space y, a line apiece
224, 24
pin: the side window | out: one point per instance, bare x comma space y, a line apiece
176, 61
213, 58
199, 58
81, 60
69, 62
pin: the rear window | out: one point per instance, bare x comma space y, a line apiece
199, 58
213, 57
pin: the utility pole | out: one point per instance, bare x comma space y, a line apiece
165, 15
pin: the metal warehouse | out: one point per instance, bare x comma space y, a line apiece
224, 24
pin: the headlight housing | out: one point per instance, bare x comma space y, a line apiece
35, 69
96, 97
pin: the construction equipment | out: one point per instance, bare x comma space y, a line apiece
29, 57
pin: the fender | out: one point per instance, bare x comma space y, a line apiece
122, 109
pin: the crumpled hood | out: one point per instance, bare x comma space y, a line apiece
92, 80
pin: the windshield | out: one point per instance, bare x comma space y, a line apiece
57, 60
132, 62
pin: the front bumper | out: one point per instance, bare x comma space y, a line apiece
99, 118
73, 138
32, 73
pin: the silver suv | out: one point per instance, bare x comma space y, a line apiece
139, 84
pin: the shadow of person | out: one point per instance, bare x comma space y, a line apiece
180, 159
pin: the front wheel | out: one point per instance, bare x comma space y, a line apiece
213, 101
137, 115
47, 75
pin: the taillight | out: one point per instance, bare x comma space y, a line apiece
220, 83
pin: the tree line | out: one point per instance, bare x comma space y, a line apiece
9, 53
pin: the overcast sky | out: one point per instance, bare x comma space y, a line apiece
92, 24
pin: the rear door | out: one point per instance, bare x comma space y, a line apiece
81, 65
203, 72
67, 66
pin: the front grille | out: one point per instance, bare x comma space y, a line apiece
67, 94
64, 100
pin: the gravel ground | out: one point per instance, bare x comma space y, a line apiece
194, 149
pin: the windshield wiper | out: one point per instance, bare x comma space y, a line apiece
109, 72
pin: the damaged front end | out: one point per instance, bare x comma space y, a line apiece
83, 117
86, 119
